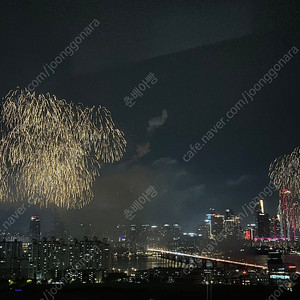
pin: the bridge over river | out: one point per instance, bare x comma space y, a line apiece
202, 261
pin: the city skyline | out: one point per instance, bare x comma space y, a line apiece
262, 226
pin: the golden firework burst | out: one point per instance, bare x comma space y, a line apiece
285, 172
52, 150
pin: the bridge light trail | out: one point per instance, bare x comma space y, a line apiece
210, 258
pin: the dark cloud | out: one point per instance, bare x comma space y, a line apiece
143, 149
240, 180
156, 122
164, 161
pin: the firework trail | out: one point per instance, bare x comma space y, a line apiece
285, 173
53, 150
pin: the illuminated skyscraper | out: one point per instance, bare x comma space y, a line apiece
251, 231
275, 227
263, 225
229, 214
261, 206
263, 221
215, 223
35, 228
232, 224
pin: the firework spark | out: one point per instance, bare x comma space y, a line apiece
285, 172
52, 150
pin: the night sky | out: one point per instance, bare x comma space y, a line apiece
204, 54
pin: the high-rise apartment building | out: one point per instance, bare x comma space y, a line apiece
35, 228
